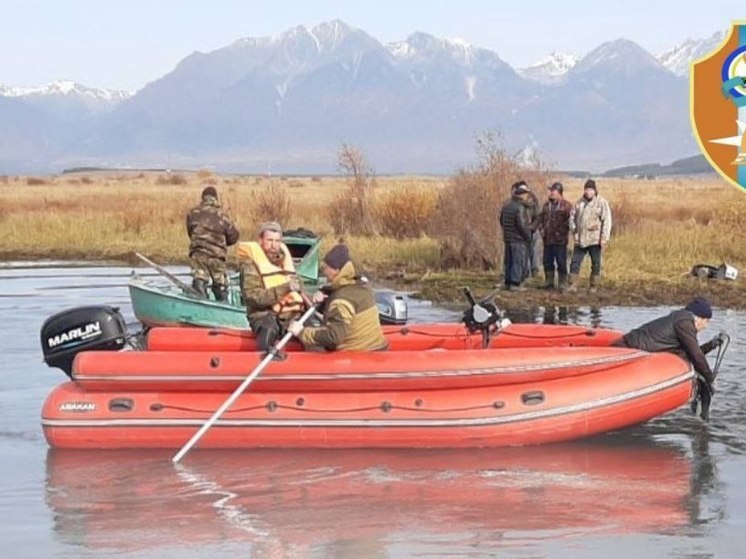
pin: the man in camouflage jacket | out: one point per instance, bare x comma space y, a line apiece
211, 231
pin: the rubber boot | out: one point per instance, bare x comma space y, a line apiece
220, 292
200, 286
562, 282
593, 288
549, 284
573, 286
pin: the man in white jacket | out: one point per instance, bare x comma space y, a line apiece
590, 226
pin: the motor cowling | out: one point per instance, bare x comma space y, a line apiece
89, 328
392, 307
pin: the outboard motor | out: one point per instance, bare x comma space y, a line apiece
91, 328
392, 307
483, 317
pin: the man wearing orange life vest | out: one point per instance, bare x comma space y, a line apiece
270, 287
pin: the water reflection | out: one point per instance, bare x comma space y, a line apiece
591, 316
366, 503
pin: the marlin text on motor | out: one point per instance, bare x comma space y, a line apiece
90, 330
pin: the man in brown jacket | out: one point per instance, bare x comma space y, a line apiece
211, 231
554, 224
350, 313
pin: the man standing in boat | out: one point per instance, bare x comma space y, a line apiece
211, 231
269, 285
677, 333
350, 313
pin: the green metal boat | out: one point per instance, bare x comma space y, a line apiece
160, 303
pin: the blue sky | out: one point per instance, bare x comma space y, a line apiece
125, 44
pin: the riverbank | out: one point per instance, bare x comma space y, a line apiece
661, 229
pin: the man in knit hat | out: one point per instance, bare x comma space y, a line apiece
677, 333
350, 313
211, 231
590, 225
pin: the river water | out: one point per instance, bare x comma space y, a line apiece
673, 487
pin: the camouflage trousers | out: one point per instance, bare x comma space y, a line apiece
208, 267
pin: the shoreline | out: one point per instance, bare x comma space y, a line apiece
446, 287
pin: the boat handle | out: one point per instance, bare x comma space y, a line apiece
532, 398
121, 404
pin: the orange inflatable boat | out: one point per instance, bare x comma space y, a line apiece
530, 384
530, 412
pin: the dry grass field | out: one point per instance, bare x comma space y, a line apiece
661, 227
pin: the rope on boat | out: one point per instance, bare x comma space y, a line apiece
384, 406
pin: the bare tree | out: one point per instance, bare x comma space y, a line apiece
352, 210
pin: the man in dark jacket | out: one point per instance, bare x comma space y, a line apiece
351, 319
677, 333
554, 224
516, 236
211, 231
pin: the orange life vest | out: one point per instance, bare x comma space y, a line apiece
272, 275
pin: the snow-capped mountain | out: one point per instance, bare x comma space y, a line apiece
415, 105
678, 58
66, 88
551, 68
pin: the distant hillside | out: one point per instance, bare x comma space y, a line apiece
694, 165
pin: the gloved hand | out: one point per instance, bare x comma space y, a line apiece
295, 328
721, 338
294, 285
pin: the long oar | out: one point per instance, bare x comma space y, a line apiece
188, 289
247, 381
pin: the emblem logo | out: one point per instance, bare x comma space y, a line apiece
718, 105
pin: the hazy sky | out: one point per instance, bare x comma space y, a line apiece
124, 44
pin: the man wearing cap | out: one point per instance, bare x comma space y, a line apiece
677, 333
590, 224
211, 231
516, 237
350, 313
269, 285
554, 225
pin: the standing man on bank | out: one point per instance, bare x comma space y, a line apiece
211, 231
516, 236
554, 225
590, 224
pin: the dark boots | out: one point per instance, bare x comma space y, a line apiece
562, 282
550, 280
200, 286
220, 292
595, 280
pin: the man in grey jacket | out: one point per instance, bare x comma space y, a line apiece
590, 225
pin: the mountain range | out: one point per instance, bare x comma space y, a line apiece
285, 104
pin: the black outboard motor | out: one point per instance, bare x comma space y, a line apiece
483, 317
91, 328
392, 307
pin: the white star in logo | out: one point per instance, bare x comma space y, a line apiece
739, 141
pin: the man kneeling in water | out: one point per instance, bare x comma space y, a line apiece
677, 333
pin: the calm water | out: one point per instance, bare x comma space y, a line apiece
670, 488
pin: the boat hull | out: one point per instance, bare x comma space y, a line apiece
345, 371
517, 414
416, 337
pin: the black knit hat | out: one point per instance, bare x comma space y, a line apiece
337, 257
590, 183
700, 307
210, 191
